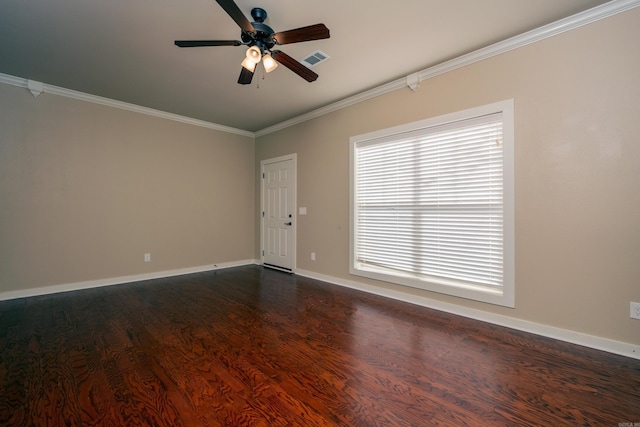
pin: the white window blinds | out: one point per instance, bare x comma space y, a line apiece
429, 203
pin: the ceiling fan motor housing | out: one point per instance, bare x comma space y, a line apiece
263, 37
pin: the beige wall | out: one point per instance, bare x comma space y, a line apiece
577, 162
86, 190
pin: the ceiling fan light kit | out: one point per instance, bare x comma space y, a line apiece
254, 54
269, 63
253, 57
249, 64
261, 40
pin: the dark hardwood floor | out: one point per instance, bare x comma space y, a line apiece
253, 347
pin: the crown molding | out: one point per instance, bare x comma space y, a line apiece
597, 13
363, 96
550, 30
81, 96
13, 81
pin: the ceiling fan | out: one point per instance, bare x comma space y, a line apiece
261, 40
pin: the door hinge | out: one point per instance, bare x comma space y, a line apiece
262, 253
262, 175
262, 214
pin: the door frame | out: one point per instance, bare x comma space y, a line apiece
294, 228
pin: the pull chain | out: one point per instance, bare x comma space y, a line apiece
258, 79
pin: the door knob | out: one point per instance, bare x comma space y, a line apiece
287, 223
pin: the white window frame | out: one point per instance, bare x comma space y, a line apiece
504, 296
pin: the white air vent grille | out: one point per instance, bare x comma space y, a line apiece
315, 58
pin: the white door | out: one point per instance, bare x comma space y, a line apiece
278, 212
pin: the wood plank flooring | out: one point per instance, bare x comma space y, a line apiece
252, 347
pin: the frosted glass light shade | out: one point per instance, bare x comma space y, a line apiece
269, 63
249, 64
254, 54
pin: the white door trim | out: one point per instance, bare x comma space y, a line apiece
294, 158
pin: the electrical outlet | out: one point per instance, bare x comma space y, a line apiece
147, 257
313, 256
635, 310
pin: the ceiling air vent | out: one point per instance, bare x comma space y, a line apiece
315, 58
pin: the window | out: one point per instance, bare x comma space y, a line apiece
432, 204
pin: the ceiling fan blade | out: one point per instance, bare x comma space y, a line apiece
294, 66
200, 43
236, 14
245, 76
302, 34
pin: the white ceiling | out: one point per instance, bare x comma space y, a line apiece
123, 49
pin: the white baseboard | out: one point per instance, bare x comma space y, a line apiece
67, 287
598, 343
